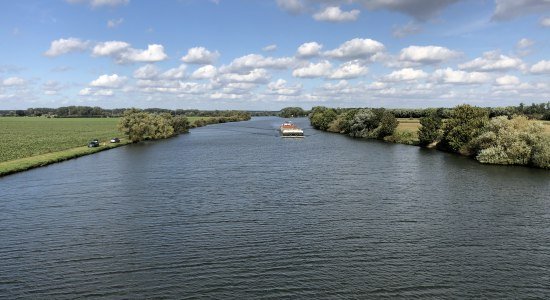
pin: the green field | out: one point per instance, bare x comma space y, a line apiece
22, 137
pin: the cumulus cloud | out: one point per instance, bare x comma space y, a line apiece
426, 54
542, 67
13, 81
146, 72
291, 6
509, 9
507, 80
114, 23
545, 22
254, 76
348, 70
309, 50
356, 49
270, 48
100, 3
122, 52
205, 72
406, 74
280, 87
64, 46
200, 55
109, 81
313, 70
96, 92
451, 76
175, 73
335, 14
492, 61
257, 61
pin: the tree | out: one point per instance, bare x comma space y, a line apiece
135, 124
180, 124
465, 124
387, 126
292, 112
430, 130
321, 117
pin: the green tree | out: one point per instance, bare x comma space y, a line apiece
465, 124
135, 124
292, 112
180, 124
387, 126
430, 130
321, 117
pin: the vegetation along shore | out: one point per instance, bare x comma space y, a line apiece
41, 137
505, 136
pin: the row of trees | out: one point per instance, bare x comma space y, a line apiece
467, 130
502, 140
141, 125
95, 112
363, 123
293, 112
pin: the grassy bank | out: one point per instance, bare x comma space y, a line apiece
31, 142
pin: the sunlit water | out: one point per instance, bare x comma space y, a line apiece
234, 211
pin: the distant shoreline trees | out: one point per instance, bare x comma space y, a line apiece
466, 130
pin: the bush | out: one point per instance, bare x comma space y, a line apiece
321, 117
373, 123
466, 123
430, 130
517, 141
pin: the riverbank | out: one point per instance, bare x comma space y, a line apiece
63, 139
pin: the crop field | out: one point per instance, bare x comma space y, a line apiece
411, 125
30, 136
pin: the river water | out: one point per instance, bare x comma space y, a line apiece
232, 211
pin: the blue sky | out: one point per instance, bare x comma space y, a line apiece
269, 54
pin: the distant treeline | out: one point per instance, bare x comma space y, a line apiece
467, 130
98, 112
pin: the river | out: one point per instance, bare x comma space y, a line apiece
232, 211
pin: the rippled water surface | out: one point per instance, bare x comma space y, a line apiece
234, 211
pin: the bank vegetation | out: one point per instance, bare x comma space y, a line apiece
507, 139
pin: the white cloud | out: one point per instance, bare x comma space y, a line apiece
356, 49
205, 72
406, 74
64, 46
85, 92
200, 55
426, 54
13, 81
545, 22
280, 87
100, 3
348, 70
175, 73
146, 72
291, 6
51, 87
335, 14
270, 48
309, 49
507, 80
122, 53
509, 9
313, 70
541, 67
114, 23
254, 76
451, 76
492, 61
109, 81
257, 61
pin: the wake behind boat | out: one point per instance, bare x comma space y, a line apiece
288, 129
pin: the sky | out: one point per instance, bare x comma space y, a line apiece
270, 54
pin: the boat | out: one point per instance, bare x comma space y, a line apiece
288, 129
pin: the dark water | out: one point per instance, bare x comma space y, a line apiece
233, 211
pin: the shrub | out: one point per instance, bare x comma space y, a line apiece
466, 123
430, 130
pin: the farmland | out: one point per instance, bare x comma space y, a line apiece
25, 137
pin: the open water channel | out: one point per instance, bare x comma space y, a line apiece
233, 211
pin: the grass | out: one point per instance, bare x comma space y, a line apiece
30, 142
22, 137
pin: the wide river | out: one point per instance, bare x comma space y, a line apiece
233, 211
